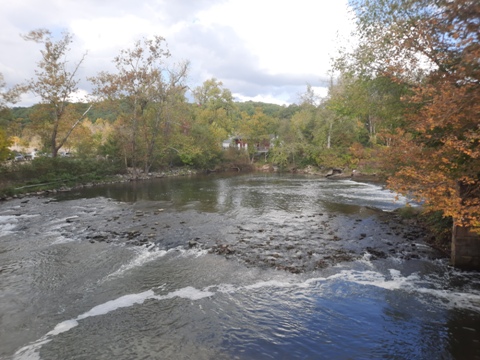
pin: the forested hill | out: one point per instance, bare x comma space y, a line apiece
110, 113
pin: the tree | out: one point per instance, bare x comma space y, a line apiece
257, 130
55, 84
309, 97
165, 115
213, 95
434, 48
148, 89
2, 92
215, 106
5, 144
296, 138
214, 114
8, 96
375, 103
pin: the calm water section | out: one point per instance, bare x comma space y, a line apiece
65, 298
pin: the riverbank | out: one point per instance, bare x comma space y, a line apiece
52, 188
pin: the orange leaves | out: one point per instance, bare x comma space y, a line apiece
437, 191
445, 161
436, 154
435, 179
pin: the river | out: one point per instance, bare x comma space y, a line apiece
256, 266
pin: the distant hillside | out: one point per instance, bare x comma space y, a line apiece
108, 112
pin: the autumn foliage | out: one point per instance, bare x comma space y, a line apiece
437, 48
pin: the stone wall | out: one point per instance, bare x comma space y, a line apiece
465, 248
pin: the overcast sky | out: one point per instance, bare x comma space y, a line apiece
262, 50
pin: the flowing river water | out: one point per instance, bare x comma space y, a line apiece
255, 266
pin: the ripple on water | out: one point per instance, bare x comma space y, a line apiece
327, 315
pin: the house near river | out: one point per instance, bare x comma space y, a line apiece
241, 143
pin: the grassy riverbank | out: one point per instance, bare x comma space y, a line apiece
48, 175
42, 174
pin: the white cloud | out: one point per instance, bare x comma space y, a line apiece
268, 49
79, 96
287, 36
266, 98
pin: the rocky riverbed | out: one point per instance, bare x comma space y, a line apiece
298, 243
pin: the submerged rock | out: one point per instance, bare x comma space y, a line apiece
304, 241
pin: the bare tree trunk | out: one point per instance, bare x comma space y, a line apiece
153, 140
134, 137
372, 129
53, 139
329, 135
60, 145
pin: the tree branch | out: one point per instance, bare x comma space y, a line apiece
73, 128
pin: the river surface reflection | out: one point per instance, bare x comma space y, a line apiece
67, 296
259, 192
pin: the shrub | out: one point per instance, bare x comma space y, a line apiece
53, 172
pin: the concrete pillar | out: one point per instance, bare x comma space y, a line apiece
465, 248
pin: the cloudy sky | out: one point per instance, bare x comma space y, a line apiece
262, 50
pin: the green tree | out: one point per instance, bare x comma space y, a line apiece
5, 144
214, 115
258, 130
213, 95
8, 96
215, 107
375, 103
309, 97
147, 88
55, 83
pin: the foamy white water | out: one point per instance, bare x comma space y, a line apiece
8, 223
30, 352
146, 254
